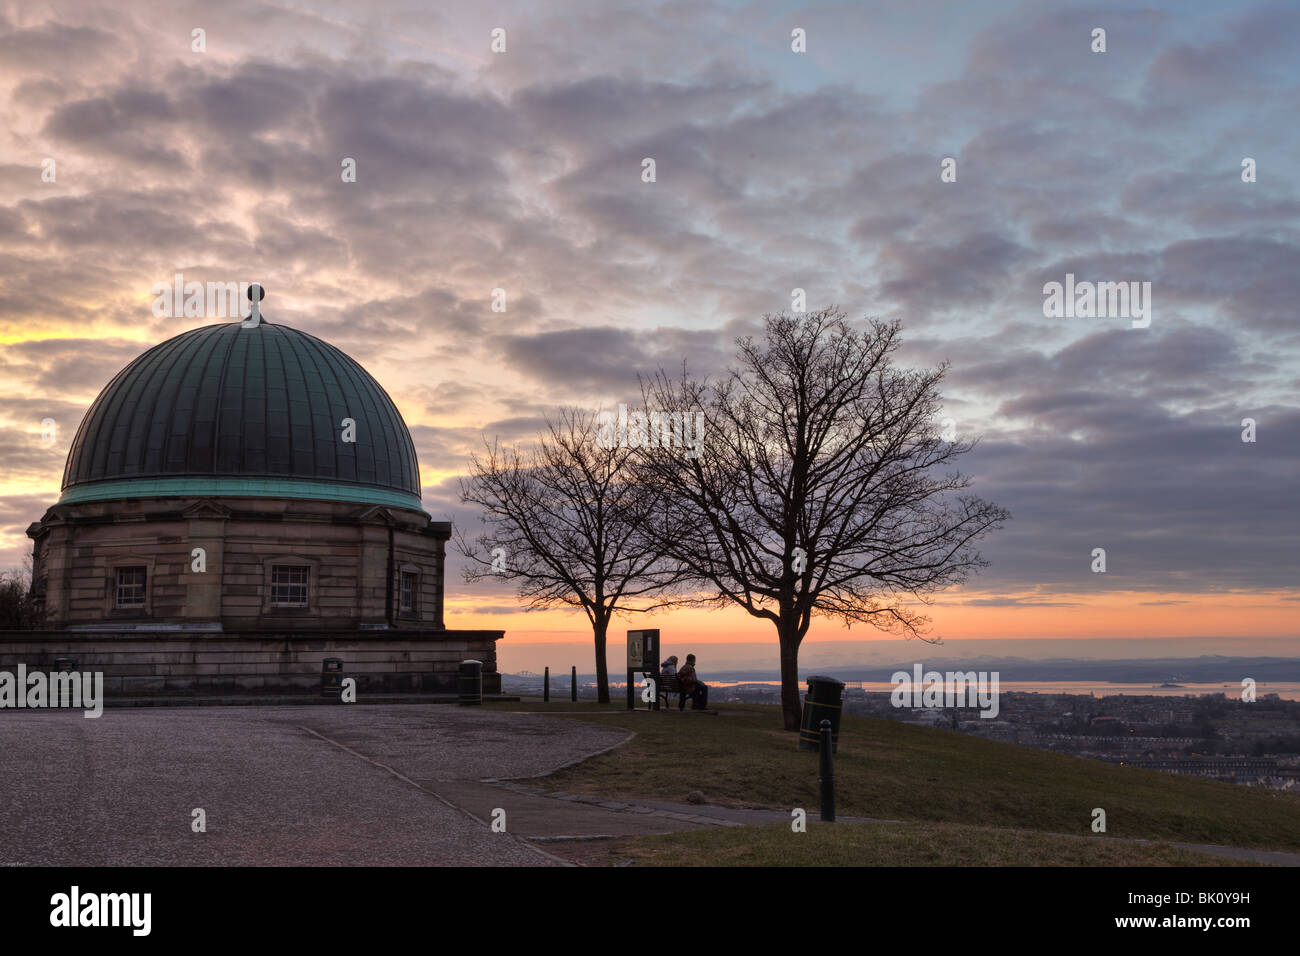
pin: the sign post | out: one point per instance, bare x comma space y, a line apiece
642, 657
635, 660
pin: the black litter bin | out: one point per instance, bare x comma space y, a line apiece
331, 678
471, 683
67, 664
822, 702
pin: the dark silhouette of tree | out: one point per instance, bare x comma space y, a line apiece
820, 489
19, 607
567, 524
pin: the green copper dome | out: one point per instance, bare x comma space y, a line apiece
237, 410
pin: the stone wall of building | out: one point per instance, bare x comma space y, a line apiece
175, 662
350, 550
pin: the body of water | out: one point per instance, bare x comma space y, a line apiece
1287, 691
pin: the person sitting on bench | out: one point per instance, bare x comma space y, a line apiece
667, 682
691, 686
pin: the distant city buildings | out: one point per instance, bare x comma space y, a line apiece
1216, 736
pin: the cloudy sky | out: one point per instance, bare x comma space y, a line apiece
775, 169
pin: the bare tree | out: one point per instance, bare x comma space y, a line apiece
817, 492
20, 606
568, 525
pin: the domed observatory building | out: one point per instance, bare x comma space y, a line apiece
248, 496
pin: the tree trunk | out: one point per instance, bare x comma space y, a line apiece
600, 628
791, 707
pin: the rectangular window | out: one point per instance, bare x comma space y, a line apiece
410, 582
130, 587
288, 586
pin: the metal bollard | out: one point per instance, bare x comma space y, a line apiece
546, 686
827, 775
573, 684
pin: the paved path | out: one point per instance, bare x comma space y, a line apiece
280, 786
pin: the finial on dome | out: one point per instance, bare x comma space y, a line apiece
255, 295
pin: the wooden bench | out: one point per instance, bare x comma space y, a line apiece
668, 688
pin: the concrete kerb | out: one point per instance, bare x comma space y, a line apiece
631, 734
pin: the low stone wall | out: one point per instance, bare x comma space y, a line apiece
136, 663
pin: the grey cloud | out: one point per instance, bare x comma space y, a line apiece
1257, 281
609, 359
927, 276
36, 47
1178, 502
50, 364
128, 124
1257, 50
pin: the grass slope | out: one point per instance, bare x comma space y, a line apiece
896, 844
902, 772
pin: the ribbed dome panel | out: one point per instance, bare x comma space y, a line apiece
224, 401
